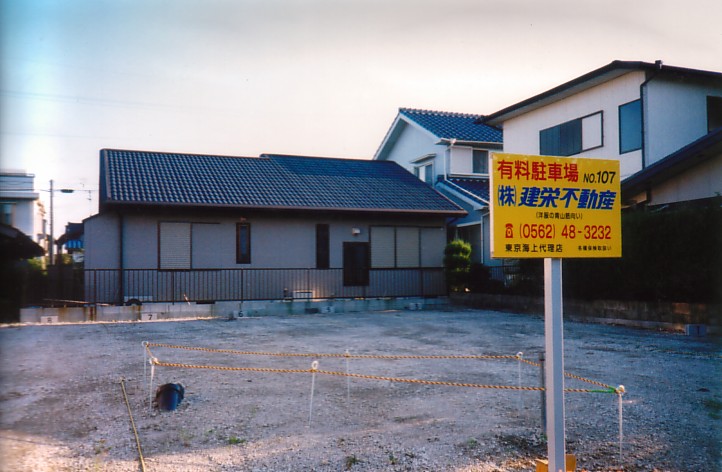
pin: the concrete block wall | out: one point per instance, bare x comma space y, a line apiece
167, 311
648, 315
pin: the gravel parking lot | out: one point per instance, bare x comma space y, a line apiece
62, 406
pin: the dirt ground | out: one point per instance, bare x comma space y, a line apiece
62, 406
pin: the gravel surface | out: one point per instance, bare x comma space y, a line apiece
63, 409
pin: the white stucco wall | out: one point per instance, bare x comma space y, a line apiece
24, 217
461, 160
414, 143
521, 134
17, 191
676, 114
702, 181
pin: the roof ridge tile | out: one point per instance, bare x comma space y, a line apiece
440, 113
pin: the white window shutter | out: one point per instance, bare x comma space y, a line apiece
175, 245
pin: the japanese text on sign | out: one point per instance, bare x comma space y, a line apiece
544, 206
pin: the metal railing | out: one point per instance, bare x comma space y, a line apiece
205, 285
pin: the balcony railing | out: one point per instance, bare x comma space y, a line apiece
206, 285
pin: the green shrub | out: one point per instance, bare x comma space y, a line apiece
457, 264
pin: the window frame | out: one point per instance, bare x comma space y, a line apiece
714, 112
575, 126
473, 161
627, 149
428, 172
8, 213
243, 248
397, 244
323, 246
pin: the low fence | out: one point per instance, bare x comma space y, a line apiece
149, 285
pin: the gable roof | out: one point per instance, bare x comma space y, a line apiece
448, 125
442, 126
272, 182
696, 152
591, 79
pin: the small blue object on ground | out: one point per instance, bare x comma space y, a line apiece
168, 396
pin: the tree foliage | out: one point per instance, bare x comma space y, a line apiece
671, 253
668, 254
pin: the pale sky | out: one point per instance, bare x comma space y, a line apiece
307, 77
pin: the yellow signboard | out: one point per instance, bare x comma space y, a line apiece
554, 207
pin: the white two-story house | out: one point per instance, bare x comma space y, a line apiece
18, 199
659, 121
450, 152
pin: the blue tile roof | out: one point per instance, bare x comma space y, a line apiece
473, 188
447, 125
266, 182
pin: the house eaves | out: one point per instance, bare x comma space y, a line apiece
456, 185
706, 147
591, 79
393, 134
16, 245
461, 142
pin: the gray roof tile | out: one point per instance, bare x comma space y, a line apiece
447, 125
266, 182
474, 188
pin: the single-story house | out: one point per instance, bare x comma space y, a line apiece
185, 227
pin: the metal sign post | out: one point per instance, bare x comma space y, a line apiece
553, 208
554, 347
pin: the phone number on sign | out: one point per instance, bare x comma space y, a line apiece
549, 231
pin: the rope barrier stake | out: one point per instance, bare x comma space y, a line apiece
145, 360
520, 398
150, 385
348, 380
314, 368
620, 392
543, 392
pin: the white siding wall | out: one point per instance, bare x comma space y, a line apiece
461, 160
17, 190
101, 240
521, 134
140, 242
414, 143
702, 181
676, 113
24, 219
206, 253
275, 242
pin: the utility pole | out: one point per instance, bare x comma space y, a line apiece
51, 241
